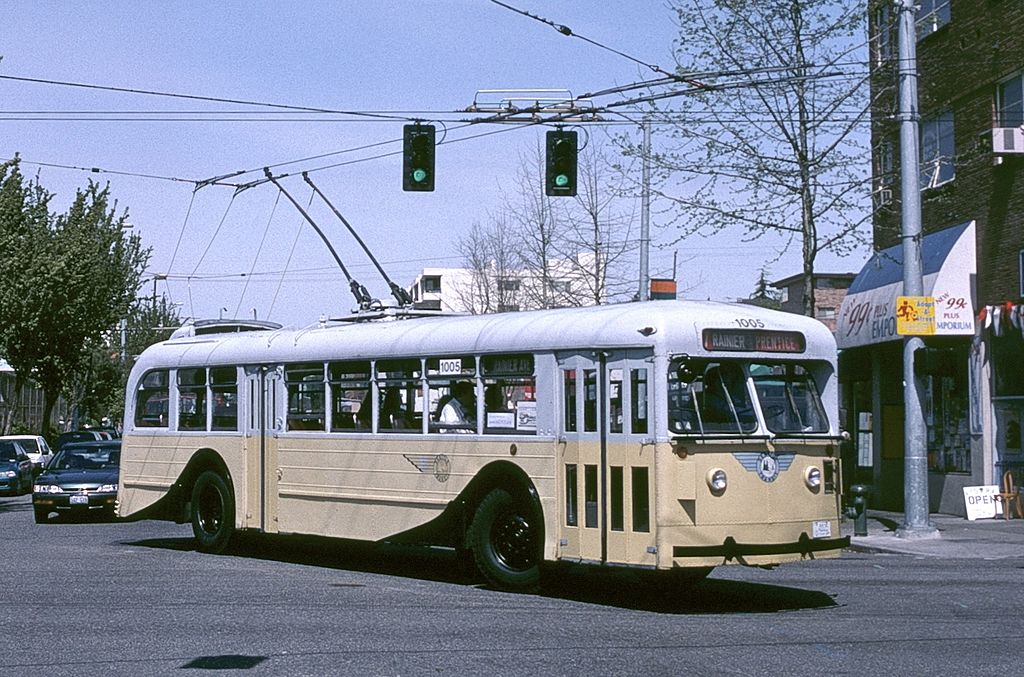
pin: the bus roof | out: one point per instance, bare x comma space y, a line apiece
667, 326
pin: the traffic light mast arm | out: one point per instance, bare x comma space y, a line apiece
362, 296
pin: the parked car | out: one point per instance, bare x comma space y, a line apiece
77, 436
81, 479
15, 468
36, 448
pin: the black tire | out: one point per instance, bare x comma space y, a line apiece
504, 538
42, 515
213, 513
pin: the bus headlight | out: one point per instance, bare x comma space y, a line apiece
812, 477
717, 480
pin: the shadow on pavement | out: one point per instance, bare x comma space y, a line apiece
614, 587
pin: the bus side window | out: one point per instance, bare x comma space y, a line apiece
638, 392
401, 405
224, 392
569, 400
192, 399
510, 403
351, 396
451, 394
305, 396
151, 400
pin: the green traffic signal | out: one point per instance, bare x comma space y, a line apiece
418, 157
560, 174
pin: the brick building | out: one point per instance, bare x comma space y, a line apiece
829, 292
970, 56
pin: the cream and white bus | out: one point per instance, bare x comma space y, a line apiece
671, 435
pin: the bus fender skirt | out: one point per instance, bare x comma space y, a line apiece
731, 550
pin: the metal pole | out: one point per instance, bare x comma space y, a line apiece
645, 216
915, 477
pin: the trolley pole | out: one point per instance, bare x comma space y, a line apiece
645, 216
915, 478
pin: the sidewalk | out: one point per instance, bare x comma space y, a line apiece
959, 538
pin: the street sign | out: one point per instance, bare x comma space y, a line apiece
915, 315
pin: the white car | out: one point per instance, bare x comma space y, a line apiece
36, 448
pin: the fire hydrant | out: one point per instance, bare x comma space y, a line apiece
858, 508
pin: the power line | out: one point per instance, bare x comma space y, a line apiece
194, 97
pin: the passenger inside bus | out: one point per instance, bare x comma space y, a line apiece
458, 408
391, 409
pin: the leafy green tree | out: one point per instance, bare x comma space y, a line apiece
97, 390
69, 280
24, 251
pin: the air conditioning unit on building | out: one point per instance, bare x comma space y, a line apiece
1008, 140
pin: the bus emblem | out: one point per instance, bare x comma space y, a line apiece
439, 466
766, 464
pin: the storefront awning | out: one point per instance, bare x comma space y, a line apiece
868, 313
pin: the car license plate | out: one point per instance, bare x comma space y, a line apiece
821, 529
79, 500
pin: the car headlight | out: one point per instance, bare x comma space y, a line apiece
812, 477
107, 488
717, 480
10, 473
47, 489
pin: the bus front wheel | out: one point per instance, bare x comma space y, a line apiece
213, 512
503, 537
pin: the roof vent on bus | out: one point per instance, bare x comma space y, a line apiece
205, 327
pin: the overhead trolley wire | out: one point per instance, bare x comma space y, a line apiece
196, 97
259, 250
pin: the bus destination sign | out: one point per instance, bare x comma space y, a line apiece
754, 341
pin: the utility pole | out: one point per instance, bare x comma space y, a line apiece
645, 216
915, 469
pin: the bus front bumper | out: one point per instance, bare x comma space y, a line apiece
759, 554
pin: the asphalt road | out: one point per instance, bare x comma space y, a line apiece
92, 598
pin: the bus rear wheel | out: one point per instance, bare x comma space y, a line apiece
213, 513
504, 539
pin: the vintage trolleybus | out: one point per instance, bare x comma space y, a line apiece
667, 435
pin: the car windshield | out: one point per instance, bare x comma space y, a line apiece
85, 459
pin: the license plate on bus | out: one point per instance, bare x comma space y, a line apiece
821, 529
79, 500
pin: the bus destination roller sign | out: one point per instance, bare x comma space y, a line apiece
754, 341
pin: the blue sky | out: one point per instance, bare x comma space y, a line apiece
393, 55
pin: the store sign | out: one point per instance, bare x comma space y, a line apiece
869, 316
981, 502
915, 315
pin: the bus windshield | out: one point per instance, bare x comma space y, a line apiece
710, 397
789, 398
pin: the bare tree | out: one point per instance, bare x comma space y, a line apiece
491, 257
536, 221
783, 150
597, 243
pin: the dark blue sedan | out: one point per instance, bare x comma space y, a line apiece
15, 468
80, 480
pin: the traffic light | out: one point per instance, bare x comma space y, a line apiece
418, 157
560, 177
